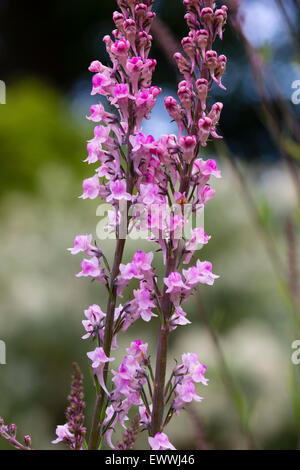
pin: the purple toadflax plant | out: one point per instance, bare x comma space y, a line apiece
157, 186
136, 175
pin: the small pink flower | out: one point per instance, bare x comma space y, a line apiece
208, 167
160, 442
174, 283
142, 261
199, 237
143, 303
118, 191
194, 368
206, 194
138, 350
91, 188
94, 317
144, 414
201, 273
91, 267
102, 83
120, 47
95, 152
63, 434
186, 393
99, 359
149, 194
98, 113
188, 144
179, 318
82, 243
95, 66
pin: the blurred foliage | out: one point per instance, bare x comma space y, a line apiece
35, 129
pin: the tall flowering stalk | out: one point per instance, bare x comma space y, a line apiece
155, 186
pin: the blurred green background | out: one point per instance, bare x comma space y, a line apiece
248, 315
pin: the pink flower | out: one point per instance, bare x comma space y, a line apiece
91, 267
205, 194
127, 380
201, 273
95, 66
142, 261
121, 94
63, 434
118, 191
160, 442
91, 188
99, 359
176, 287
143, 143
174, 283
186, 393
102, 83
208, 167
138, 350
144, 414
95, 152
194, 368
205, 126
179, 318
149, 194
143, 303
94, 317
199, 237
98, 114
121, 47
188, 144
82, 243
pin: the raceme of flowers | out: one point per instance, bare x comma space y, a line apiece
132, 168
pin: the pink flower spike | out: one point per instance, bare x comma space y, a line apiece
99, 359
160, 442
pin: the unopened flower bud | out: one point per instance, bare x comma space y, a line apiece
188, 144
12, 429
202, 91
27, 440
204, 125
220, 20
